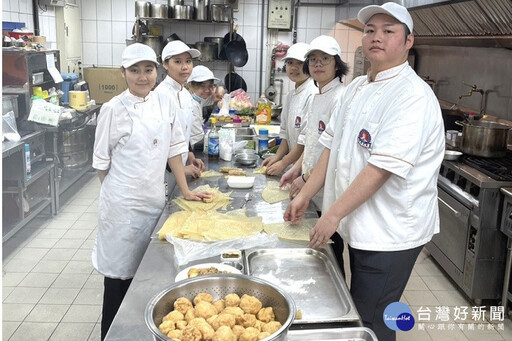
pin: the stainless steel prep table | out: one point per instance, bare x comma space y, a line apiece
157, 269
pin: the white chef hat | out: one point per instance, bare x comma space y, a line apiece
325, 44
137, 52
395, 10
177, 47
200, 74
297, 51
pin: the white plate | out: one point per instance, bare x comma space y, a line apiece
241, 181
183, 274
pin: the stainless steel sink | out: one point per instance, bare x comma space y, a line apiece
245, 134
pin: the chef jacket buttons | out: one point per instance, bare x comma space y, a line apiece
155, 142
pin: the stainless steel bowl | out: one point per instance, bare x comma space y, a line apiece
246, 159
452, 155
219, 286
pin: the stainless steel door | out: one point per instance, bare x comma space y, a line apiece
454, 227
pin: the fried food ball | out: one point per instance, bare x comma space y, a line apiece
205, 309
266, 314
203, 326
232, 300
259, 325
249, 334
263, 335
174, 334
181, 324
212, 319
182, 304
246, 320
238, 330
166, 326
173, 316
237, 311
219, 305
224, 320
250, 304
203, 297
224, 333
190, 314
271, 327
191, 334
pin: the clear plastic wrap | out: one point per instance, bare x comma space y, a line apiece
9, 127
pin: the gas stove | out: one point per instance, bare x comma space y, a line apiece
499, 169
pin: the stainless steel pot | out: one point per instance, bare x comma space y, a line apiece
159, 11
208, 50
217, 40
202, 9
221, 13
183, 12
155, 42
142, 9
484, 138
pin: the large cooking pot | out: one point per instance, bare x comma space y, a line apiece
484, 138
142, 9
183, 12
208, 50
221, 13
202, 9
159, 11
220, 43
155, 42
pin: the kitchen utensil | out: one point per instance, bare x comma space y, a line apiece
229, 37
221, 13
130, 41
142, 9
247, 197
183, 12
208, 50
220, 44
202, 9
155, 42
219, 286
246, 159
143, 29
235, 82
236, 53
452, 155
173, 37
484, 138
276, 111
159, 11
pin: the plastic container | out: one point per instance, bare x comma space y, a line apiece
205, 140
213, 141
263, 112
263, 140
27, 159
237, 122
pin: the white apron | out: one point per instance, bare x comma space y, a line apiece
132, 195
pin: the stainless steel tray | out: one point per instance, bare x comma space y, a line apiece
332, 334
309, 276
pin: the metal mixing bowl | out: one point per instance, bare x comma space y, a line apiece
246, 159
219, 286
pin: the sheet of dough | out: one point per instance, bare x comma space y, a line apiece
210, 226
210, 173
272, 193
286, 230
262, 170
220, 200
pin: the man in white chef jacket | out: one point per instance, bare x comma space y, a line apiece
383, 150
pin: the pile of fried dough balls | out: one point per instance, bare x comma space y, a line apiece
233, 318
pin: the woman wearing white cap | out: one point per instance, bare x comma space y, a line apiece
177, 61
293, 116
133, 144
201, 85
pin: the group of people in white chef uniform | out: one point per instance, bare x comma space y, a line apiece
374, 147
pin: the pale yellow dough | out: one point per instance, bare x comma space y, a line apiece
286, 230
210, 173
220, 200
272, 193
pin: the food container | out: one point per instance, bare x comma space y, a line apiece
219, 286
484, 138
202, 9
246, 159
231, 256
333, 334
142, 9
159, 11
183, 12
452, 155
221, 13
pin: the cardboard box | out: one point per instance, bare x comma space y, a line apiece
104, 83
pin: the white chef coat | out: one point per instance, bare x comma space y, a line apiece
319, 112
134, 139
294, 113
393, 123
191, 123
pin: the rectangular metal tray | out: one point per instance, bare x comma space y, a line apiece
332, 334
309, 276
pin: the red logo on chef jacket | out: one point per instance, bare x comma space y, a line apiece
364, 139
298, 121
321, 127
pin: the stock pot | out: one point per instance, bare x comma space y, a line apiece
484, 138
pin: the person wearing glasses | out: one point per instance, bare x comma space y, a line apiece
324, 64
136, 136
379, 169
177, 61
293, 116
201, 85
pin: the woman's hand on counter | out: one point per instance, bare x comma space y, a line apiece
289, 176
276, 168
196, 196
193, 171
296, 186
323, 230
199, 164
296, 209
269, 161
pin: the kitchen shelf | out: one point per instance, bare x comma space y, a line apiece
12, 229
37, 171
171, 20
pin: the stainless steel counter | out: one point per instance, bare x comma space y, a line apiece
157, 269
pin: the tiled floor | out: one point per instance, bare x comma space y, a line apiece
51, 292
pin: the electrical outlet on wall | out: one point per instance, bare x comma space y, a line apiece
280, 14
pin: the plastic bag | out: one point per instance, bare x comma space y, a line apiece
226, 141
186, 251
240, 101
9, 127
